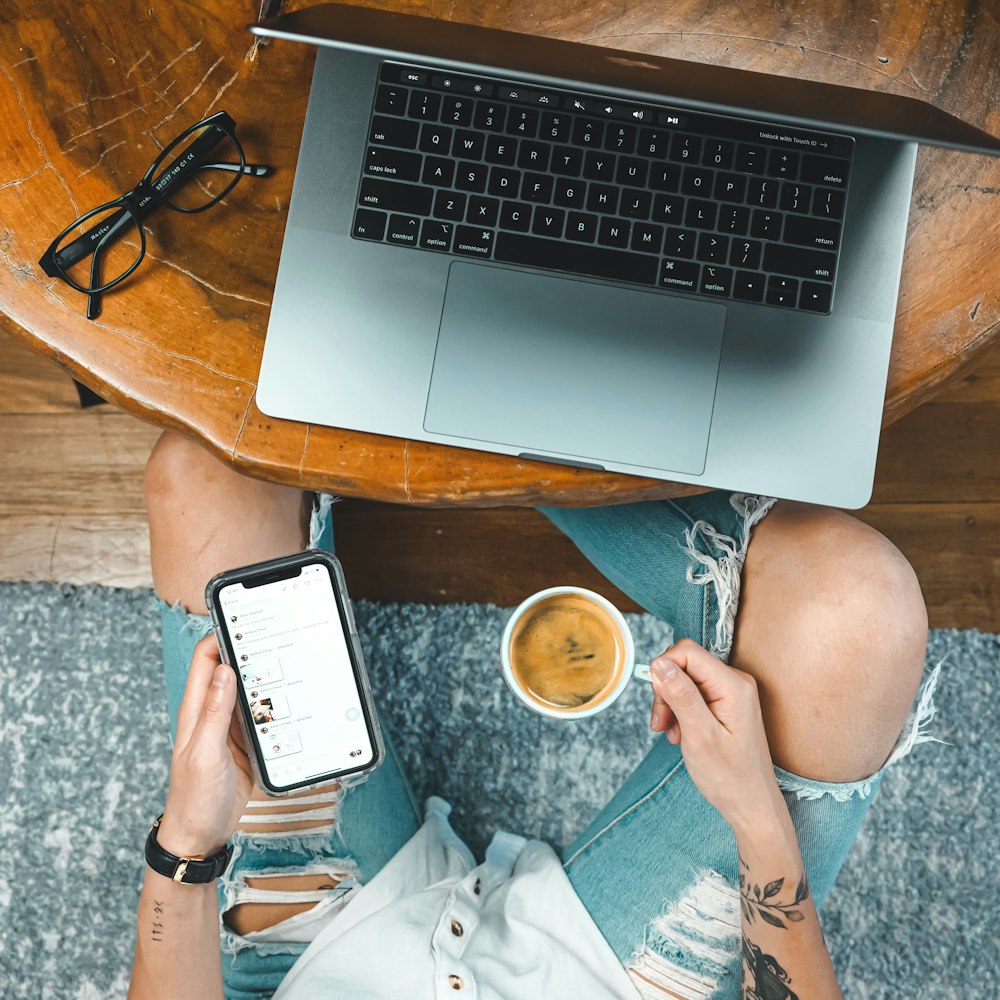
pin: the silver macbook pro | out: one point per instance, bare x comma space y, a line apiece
587, 256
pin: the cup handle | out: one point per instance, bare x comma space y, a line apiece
641, 672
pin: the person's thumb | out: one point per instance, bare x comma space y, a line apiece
682, 695
217, 708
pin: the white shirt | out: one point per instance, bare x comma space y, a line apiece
433, 925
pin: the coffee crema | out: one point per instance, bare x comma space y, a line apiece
567, 652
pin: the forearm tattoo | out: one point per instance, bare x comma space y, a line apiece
157, 924
764, 978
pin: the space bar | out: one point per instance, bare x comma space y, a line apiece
614, 264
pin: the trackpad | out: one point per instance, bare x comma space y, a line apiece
561, 366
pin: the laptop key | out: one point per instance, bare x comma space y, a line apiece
391, 100
482, 211
766, 225
748, 286
393, 163
647, 238
799, 262
568, 162
782, 291
449, 205
424, 106
369, 224
795, 197
613, 232
750, 159
712, 249
679, 243
745, 253
581, 227
815, 296
716, 280
734, 219
436, 235
828, 204
824, 170
515, 215
501, 150
548, 221
473, 242
403, 229
679, 274
822, 233
438, 171
393, 132
435, 138
577, 258
395, 197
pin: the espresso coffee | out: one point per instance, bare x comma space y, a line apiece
566, 652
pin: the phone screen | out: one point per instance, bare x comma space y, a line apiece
288, 643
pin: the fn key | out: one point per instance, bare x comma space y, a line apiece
369, 225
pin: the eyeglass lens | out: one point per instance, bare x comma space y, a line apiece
190, 191
112, 255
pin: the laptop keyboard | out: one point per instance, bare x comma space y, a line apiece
589, 185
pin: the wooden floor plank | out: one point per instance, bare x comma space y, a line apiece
71, 507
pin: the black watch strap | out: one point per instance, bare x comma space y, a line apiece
188, 870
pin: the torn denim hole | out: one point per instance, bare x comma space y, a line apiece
291, 935
721, 559
322, 502
693, 945
268, 811
914, 732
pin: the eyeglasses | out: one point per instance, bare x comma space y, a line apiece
112, 236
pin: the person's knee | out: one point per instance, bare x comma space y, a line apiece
833, 625
205, 517
175, 468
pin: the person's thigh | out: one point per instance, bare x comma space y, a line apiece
304, 856
657, 869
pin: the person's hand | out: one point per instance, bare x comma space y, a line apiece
712, 710
210, 773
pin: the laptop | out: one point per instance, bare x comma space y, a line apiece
580, 255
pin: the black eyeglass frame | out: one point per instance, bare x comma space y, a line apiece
144, 198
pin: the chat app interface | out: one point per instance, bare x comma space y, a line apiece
292, 659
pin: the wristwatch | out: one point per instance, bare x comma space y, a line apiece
194, 870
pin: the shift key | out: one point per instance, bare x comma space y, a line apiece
799, 262
406, 198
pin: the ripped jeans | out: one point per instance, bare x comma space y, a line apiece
657, 868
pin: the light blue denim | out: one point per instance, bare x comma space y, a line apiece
657, 843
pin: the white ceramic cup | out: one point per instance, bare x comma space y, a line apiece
629, 670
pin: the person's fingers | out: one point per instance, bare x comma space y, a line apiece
204, 660
661, 716
713, 677
217, 707
682, 695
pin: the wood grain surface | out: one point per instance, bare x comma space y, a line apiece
88, 99
71, 507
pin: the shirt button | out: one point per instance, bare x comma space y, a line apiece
456, 982
457, 929
478, 887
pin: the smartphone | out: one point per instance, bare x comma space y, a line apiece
287, 629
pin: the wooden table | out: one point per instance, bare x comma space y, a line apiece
88, 99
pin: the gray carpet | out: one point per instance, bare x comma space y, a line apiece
83, 768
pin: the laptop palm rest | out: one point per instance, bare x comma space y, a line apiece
565, 367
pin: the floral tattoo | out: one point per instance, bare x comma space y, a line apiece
756, 902
766, 979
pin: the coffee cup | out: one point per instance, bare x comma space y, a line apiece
567, 653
